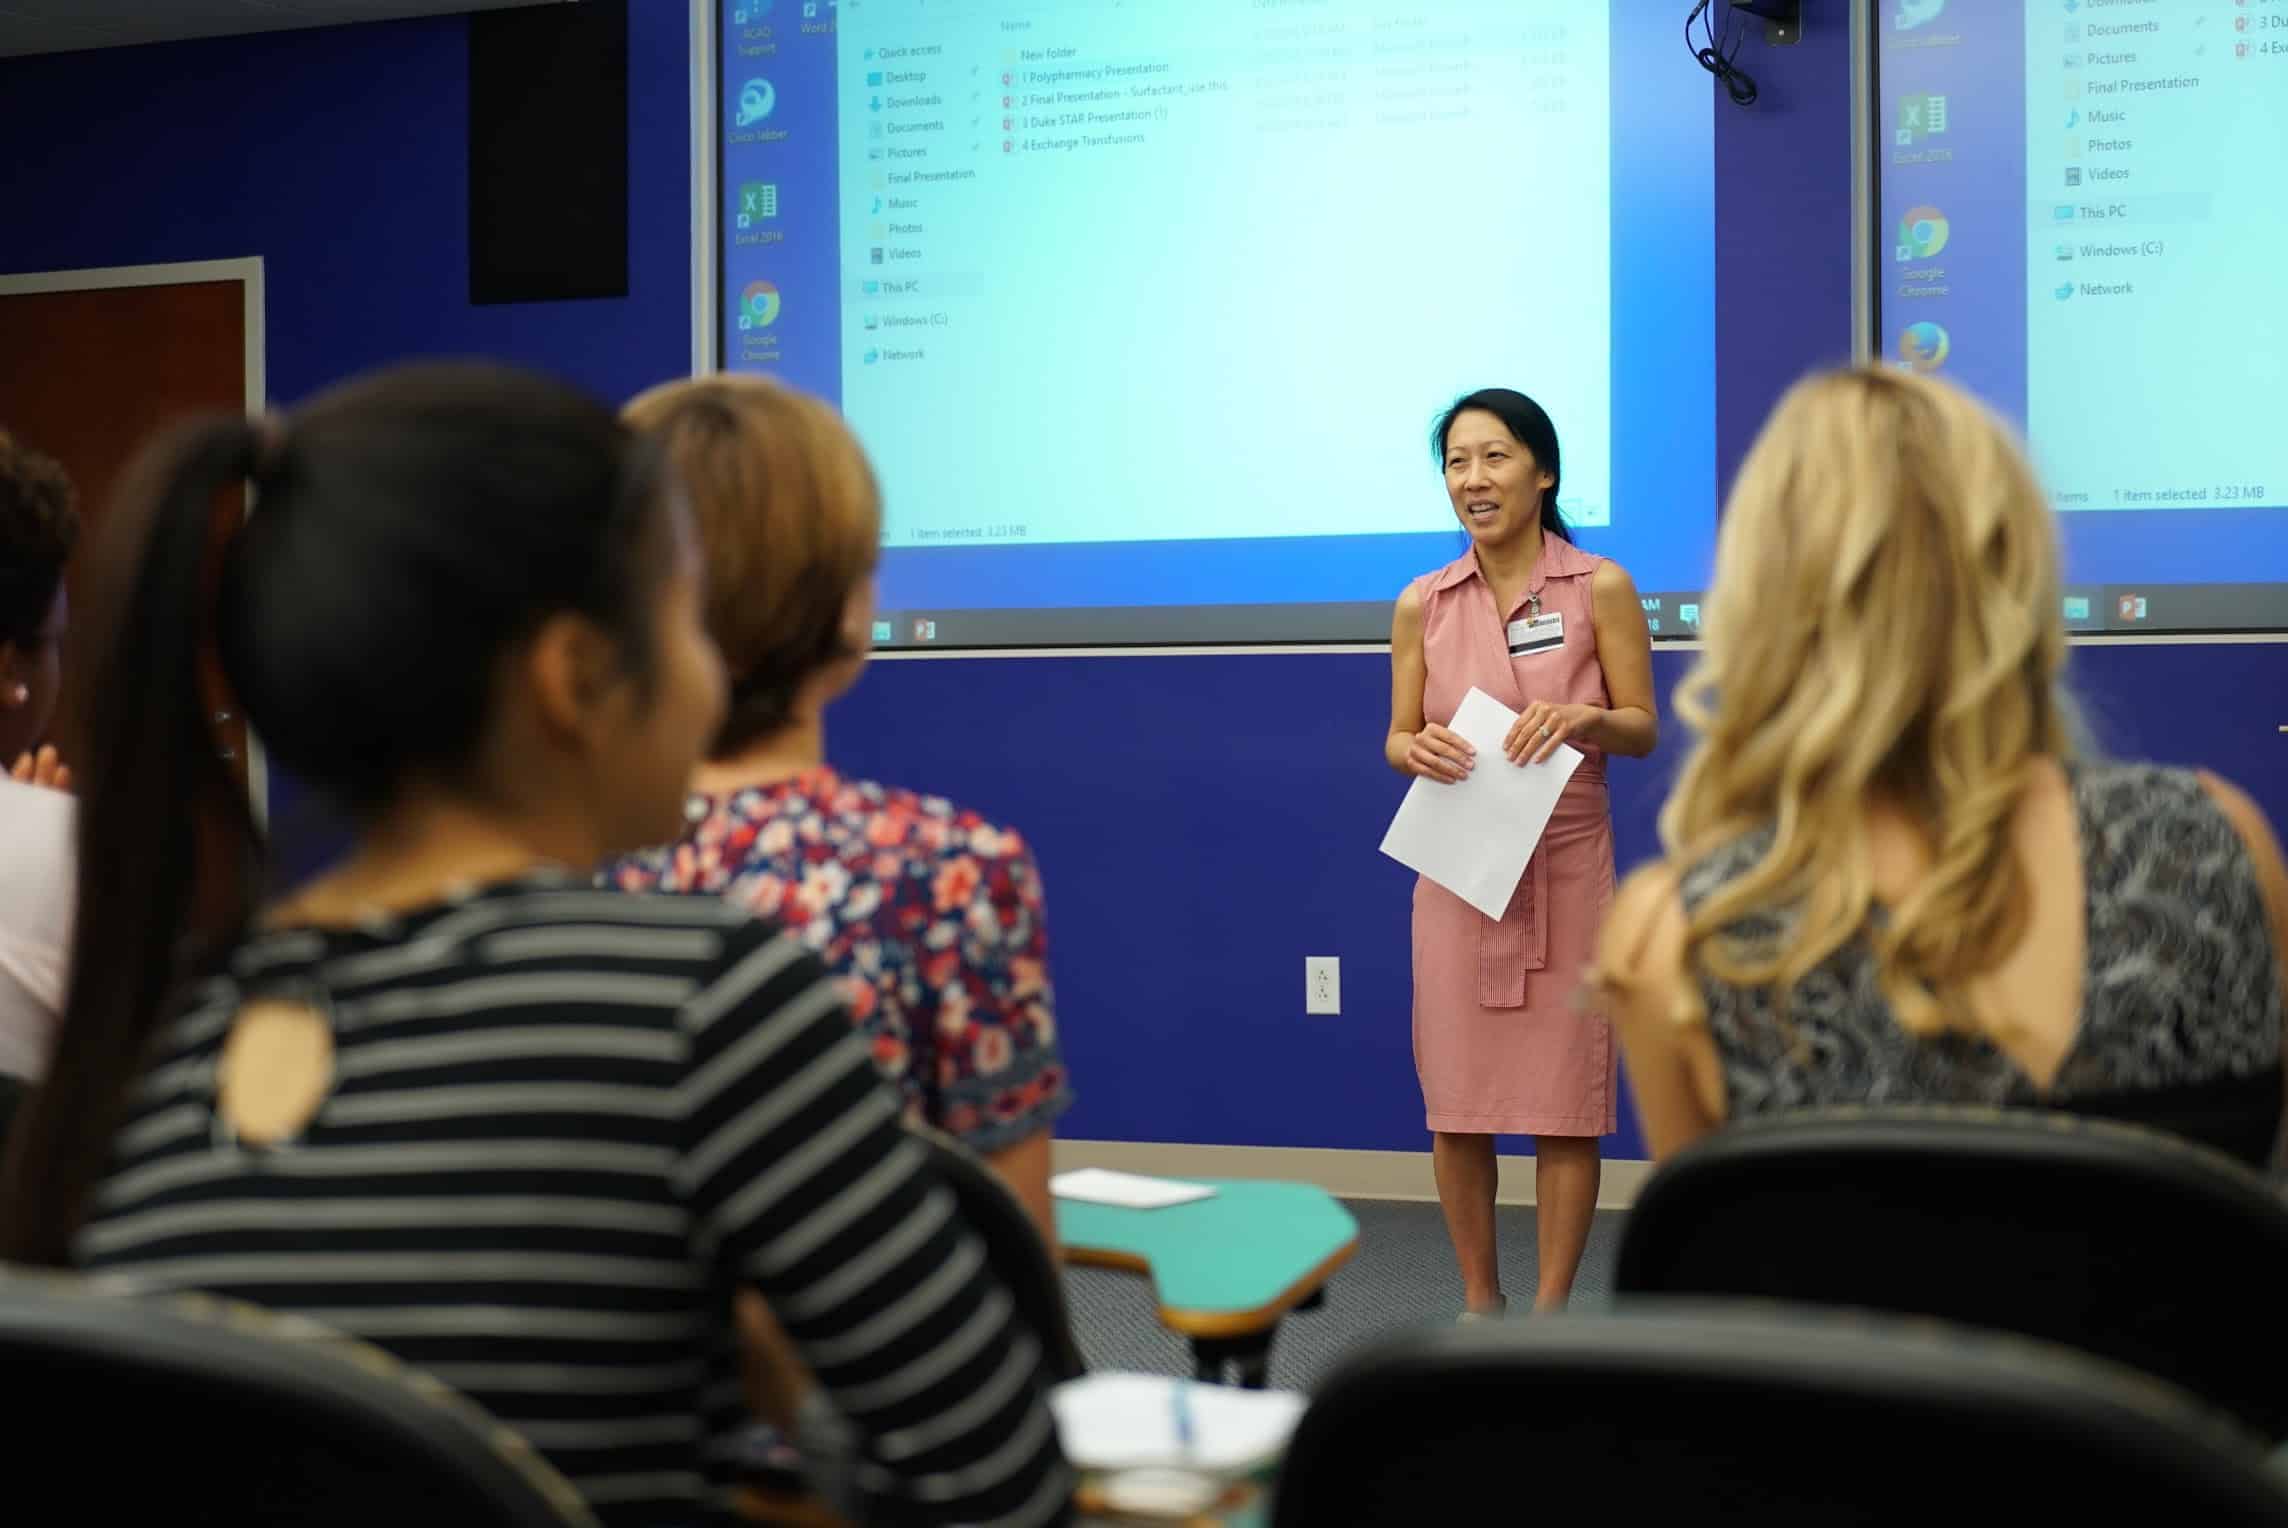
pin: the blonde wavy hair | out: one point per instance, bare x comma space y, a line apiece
1884, 622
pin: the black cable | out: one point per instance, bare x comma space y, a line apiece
1733, 46
1719, 54
1738, 83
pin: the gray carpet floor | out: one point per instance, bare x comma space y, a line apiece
1403, 1275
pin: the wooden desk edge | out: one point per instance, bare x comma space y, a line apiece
1220, 1323
1090, 1501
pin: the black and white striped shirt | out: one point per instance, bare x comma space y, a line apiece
564, 1124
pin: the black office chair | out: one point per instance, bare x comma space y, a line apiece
1012, 1248
1741, 1413
2123, 1242
13, 1092
198, 1411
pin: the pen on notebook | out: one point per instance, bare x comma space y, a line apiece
1180, 1398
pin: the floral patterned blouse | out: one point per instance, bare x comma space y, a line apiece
931, 917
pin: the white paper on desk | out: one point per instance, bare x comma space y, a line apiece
1128, 1421
1101, 1185
1474, 836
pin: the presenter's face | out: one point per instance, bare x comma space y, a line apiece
1494, 482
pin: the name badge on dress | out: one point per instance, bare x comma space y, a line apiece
1536, 634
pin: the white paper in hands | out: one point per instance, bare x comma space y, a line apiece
1474, 836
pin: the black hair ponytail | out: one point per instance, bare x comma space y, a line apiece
165, 832
413, 527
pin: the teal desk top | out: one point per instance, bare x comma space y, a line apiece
1224, 1266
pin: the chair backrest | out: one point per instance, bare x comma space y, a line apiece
1742, 1413
12, 1093
197, 1410
2122, 1242
1012, 1248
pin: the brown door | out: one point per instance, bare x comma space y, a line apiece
86, 376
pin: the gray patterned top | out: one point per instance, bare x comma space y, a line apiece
2182, 1006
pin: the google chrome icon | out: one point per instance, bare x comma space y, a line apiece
1924, 347
758, 305
1922, 233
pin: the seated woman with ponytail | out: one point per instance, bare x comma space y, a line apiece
531, 1136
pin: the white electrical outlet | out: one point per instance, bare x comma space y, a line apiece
1322, 984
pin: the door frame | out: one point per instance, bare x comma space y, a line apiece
247, 272
705, 229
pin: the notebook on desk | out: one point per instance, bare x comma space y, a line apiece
1130, 1191
1115, 1422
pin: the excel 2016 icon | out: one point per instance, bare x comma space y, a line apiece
1920, 117
758, 200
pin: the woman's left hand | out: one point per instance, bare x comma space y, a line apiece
1538, 730
45, 769
771, 1372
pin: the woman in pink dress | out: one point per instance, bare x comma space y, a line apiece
1501, 1043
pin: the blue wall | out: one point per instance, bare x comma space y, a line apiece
340, 156
1203, 822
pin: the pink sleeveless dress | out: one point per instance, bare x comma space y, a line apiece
1500, 1043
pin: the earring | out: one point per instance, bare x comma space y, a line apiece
18, 694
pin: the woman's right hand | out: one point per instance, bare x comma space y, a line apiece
1435, 753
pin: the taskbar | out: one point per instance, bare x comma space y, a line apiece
2176, 609
1672, 617
1320, 624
